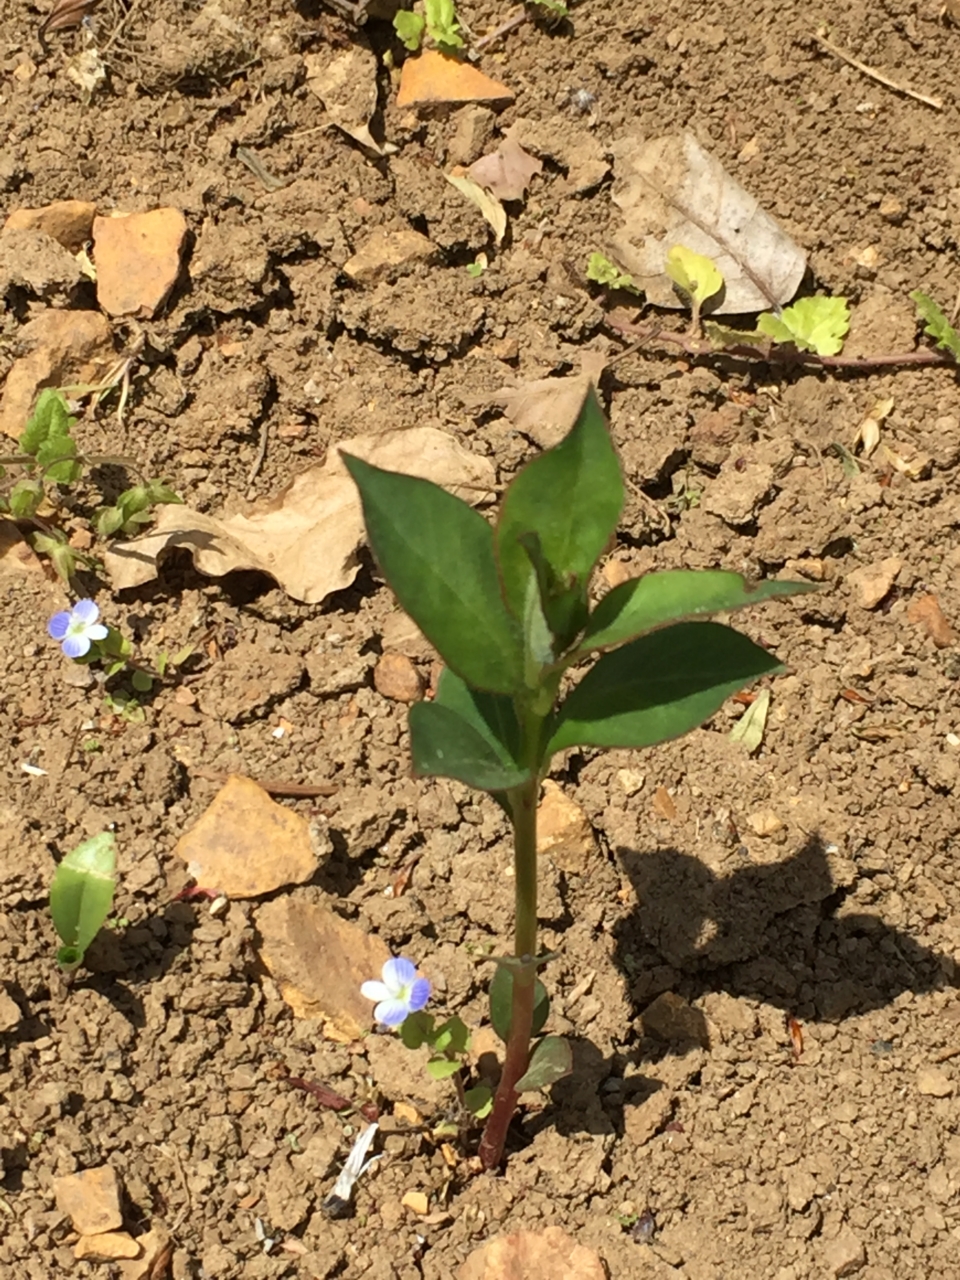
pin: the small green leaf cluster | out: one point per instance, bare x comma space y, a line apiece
601, 270
937, 325
49, 455
438, 19
811, 324
551, 1057
81, 896
448, 1044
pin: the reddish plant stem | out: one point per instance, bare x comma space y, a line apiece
651, 334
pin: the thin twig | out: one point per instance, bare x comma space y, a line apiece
778, 354
512, 23
259, 459
877, 75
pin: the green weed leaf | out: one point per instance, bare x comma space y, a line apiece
417, 1029
603, 271
501, 1004
811, 324
555, 520
50, 420
437, 555
25, 498
937, 325
81, 893
478, 1101
551, 1060
697, 276
659, 687
644, 604
409, 27
442, 25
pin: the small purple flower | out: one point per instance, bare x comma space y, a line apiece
77, 628
401, 991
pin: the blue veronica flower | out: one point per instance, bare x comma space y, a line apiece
401, 992
77, 628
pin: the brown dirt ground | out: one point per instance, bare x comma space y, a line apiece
168, 1060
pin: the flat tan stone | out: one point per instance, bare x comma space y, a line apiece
564, 832
90, 1199
549, 1254
246, 845
872, 582
396, 677
436, 77
150, 1264
106, 1247
319, 960
670, 1018
68, 221
385, 253
934, 1083
137, 256
417, 1201
9, 1009
64, 347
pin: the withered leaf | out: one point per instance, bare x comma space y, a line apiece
506, 172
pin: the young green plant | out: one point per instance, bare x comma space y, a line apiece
508, 608
81, 895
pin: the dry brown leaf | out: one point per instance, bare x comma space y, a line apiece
547, 408
345, 81
506, 172
533, 1255
307, 539
925, 611
673, 192
491, 208
67, 13
664, 805
868, 432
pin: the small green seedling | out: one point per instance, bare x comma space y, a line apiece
439, 20
81, 896
936, 323
811, 324
508, 608
696, 277
601, 270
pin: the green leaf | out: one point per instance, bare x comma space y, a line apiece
409, 27
749, 728
442, 1068
56, 455
445, 745
811, 324
109, 520
442, 25
50, 418
141, 681
478, 1101
81, 892
936, 323
452, 1037
417, 1029
551, 1060
501, 1004
436, 553
603, 271
659, 687
25, 498
558, 516
644, 604
697, 276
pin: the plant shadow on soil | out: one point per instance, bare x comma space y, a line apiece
774, 933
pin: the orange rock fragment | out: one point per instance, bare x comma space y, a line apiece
70, 222
137, 256
435, 77
925, 611
90, 1199
396, 677
108, 1246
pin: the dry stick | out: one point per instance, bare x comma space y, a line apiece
302, 789
504, 29
779, 355
877, 75
258, 460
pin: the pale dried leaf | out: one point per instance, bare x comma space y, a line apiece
307, 539
67, 13
506, 172
749, 728
491, 208
671, 192
868, 433
533, 1255
546, 409
346, 83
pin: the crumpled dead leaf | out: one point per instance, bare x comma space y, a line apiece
506, 172
533, 1255
307, 539
345, 81
546, 408
491, 208
671, 192
868, 432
